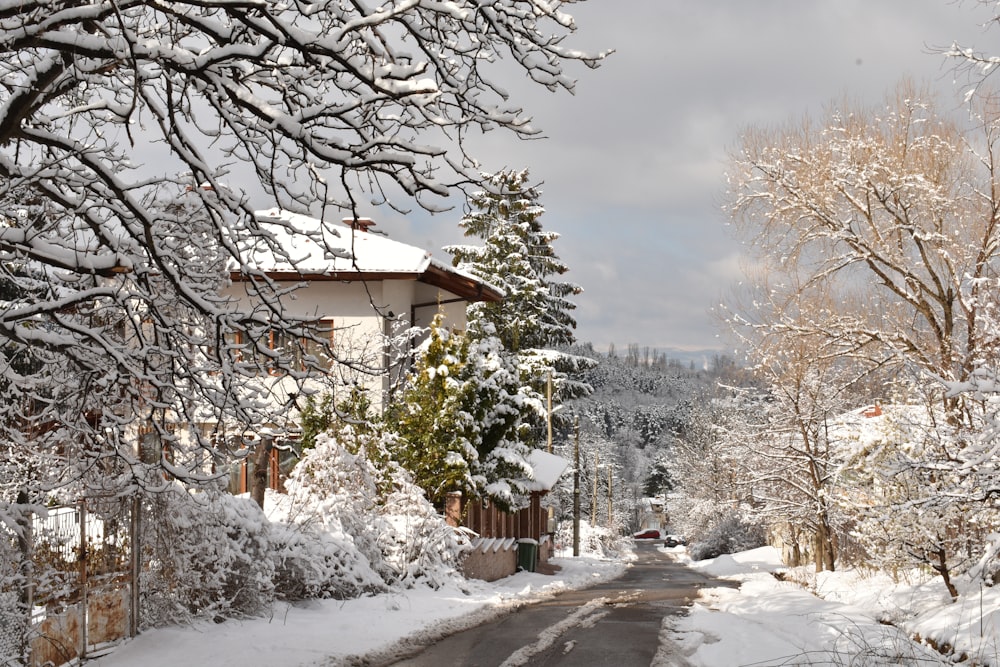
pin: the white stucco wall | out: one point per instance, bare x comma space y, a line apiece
359, 312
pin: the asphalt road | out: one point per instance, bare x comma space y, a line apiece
614, 623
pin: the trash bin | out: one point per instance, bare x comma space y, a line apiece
527, 554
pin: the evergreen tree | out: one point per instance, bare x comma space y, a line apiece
432, 445
517, 256
658, 479
535, 319
501, 408
458, 422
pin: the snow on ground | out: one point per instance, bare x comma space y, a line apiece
829, 618
337, 632
824, 619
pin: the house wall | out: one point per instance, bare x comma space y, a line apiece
359, 330
324, 298
408, 300
428, 300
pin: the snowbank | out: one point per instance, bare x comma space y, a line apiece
333, 632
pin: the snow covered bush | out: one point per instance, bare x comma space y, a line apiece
12, 612
387, 531
347, 527
418, 546
594, 540
311, 563
332, 494
695, 517
732, 534
205, 555
913, 485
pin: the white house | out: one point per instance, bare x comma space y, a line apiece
360, 288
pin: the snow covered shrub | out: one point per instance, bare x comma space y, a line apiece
205, 555
333, 492
386, 531
694, 517
12, 612
594, 540
987, 569
311, 562
909, 507
418, 544
732, 534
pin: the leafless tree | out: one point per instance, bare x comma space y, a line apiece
886, 222
877, 244
136, 138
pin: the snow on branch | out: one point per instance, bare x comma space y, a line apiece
137, 137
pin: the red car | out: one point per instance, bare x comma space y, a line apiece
650, 534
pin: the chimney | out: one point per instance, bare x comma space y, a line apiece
359, 224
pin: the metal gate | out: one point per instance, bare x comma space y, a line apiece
83, 589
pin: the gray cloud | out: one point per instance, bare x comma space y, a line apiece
633, 164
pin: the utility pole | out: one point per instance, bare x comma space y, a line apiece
548, 411
610, 496
576, 488
551, 527
593, 499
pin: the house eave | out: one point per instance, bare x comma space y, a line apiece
460, 285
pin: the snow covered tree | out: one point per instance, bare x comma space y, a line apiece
111, 110
878, 259
885, 221
794, 464
608, 488
659, 479
710, 463
434, 445
517, 256
534, 322
458, 421
978, 64
905, 512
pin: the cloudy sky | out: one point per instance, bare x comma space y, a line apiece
632, 169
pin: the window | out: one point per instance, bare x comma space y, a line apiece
287, 352
316, 348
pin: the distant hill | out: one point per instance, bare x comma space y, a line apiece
703, 360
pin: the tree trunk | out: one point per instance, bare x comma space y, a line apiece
826, 555
258, 480
24, 547
942, 568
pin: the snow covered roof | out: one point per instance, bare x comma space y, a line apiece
321, 250
861, 429
547, 469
